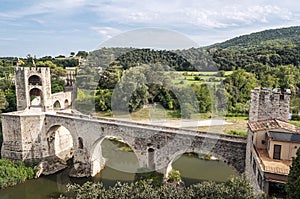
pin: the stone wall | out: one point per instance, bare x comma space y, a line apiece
23, 86
249, 163
22, 137
64, 99
26, 137
164, 143
269, 104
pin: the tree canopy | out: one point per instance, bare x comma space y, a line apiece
293, 185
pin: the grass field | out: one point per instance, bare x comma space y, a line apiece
239, 124
187, 78
296, 123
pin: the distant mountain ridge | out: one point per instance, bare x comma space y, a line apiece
289, 35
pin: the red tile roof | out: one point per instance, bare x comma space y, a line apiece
272, 124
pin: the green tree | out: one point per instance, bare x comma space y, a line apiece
13, 173
203, 97
187, 110
288, 77
293, 185
82, 54
236, 188
238, 87
57, 72
3, 102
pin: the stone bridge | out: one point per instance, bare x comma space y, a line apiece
36, 136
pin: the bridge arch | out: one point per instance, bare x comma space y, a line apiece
98, 161
173, 157
60, 142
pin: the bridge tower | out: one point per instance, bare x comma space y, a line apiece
33, 88
269, 104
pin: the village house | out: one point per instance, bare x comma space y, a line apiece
272, 141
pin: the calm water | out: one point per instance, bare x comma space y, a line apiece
192, 170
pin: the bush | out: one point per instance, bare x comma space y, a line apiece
207, 157
14, 173
239, 133
196, 78
296, 117
174, 176
238, 187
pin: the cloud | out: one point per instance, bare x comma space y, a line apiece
107, 32
7, 39
210, 20
200, 14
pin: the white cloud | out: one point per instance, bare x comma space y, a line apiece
205, 20
107, 32
202, 14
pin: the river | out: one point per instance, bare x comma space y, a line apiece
192, 170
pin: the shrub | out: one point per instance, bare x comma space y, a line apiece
239, 133
13, 173
238, 187
174, 176
296, 117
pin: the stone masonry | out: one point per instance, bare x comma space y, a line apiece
26, 137
269, 104
37, 133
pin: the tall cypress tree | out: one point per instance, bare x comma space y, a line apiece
293, 185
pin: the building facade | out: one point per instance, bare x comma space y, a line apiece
33, 90
272, 142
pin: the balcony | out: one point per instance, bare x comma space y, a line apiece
269, 165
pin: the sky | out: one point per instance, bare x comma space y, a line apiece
54, 27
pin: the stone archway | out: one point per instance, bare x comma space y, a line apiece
35, 80
36, 97
57, 105
60, 142
66, 104
98, 161
179, 153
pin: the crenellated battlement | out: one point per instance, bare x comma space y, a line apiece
267, 103
32, 69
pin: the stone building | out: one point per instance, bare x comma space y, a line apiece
33, 90
272, 142
269, 104
34, 98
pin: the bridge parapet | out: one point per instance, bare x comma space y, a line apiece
157, 127
154, 146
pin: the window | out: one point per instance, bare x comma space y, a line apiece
254, 166
277, 152
80, 143
281, 97
259, 180
250, 156
263, 142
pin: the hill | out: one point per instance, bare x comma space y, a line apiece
290, 35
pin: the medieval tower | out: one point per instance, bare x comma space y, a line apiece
269, 104
33, 88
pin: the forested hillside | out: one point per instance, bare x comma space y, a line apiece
269, 58
281, 36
